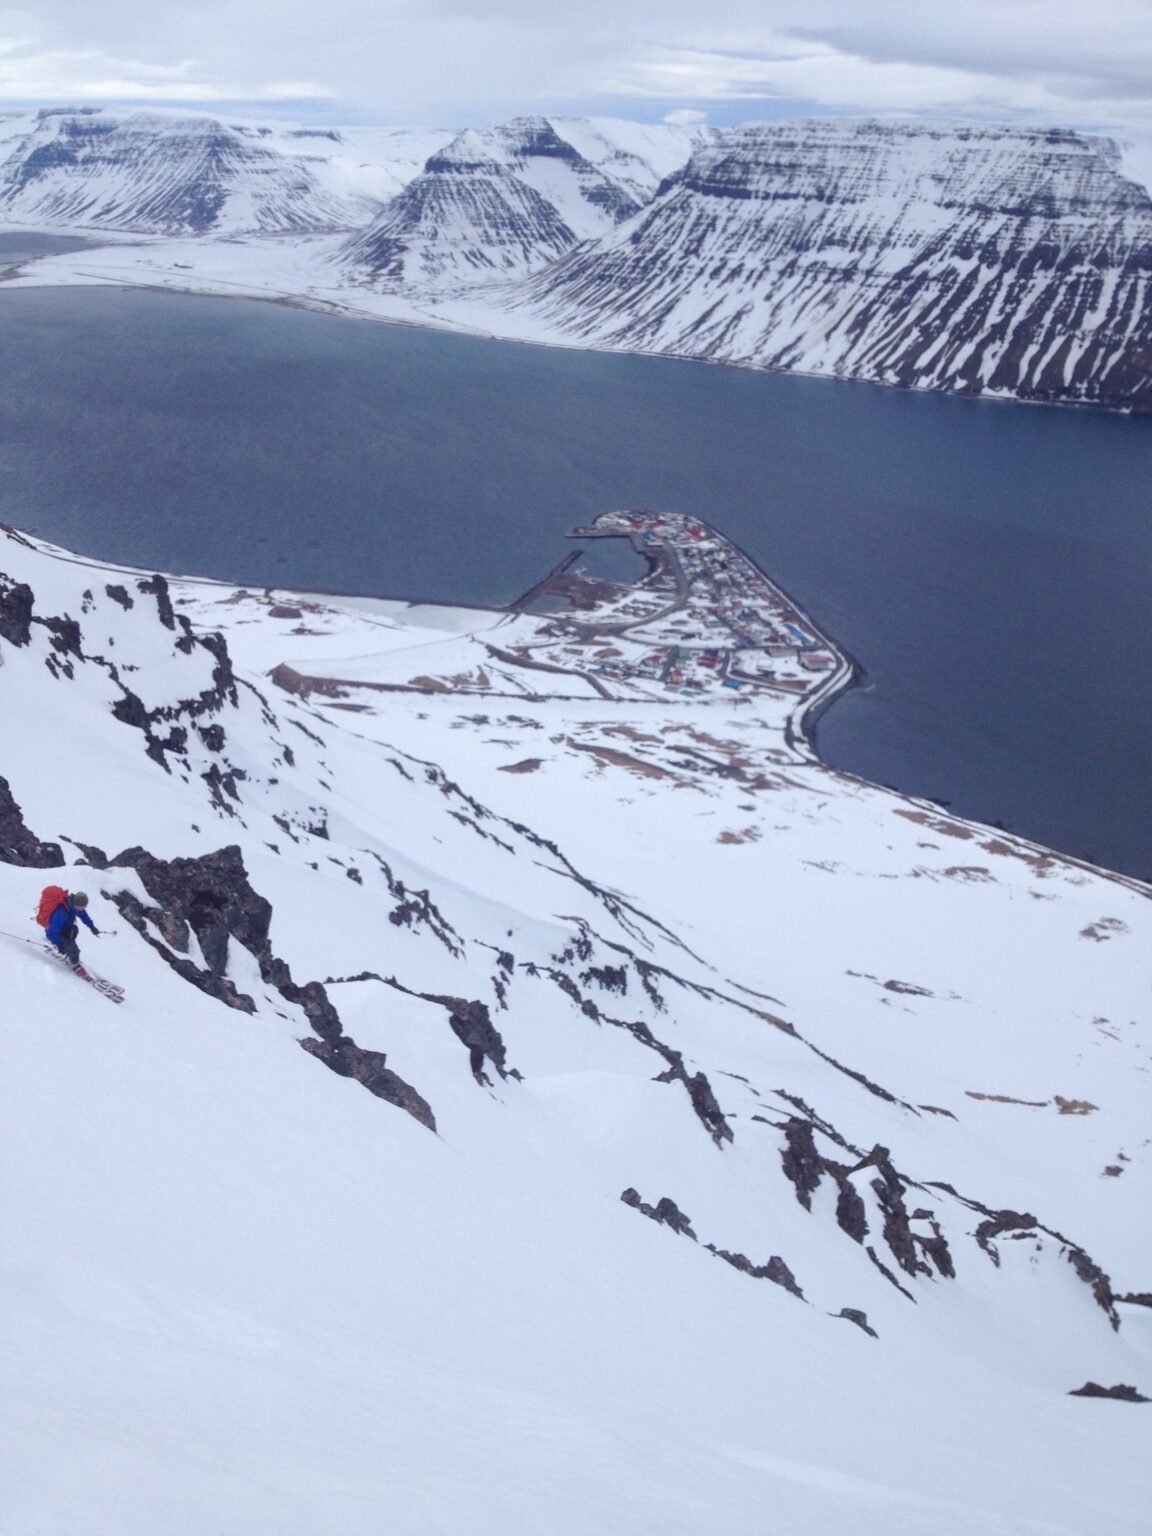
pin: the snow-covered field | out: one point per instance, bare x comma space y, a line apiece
608, 944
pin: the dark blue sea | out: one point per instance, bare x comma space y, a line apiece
987, 564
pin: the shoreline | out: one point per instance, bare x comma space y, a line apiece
345, 308
799, 725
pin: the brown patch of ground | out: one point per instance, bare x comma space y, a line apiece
972, 873
997, 846
1074, 1106
1004, 1098
748, 835
936, 823
618, 759
631, 733
525, 765
1104, 928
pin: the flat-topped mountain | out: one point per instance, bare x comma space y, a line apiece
1007, 261
1010, 262
160, 173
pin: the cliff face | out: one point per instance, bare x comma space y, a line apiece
994, 260
172, 175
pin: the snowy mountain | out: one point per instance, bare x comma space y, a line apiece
1008, 261
499, 203
545, 1098
171, 175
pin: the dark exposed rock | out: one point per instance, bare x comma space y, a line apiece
778, 1272
1093, 1276
1122, 1393
222, 783
775, 1270
348, 1059
613, 978
92, 855
803, 1166
472, 1025
65, 634
851, 1216
16, 603
935, 1247
888, 1188
997, 1223
139, 916
416, 909
470, 1021
886, 1272
17, 844
157, 587
708, 1111
212, 896
120, 595
1137, 1298
666, 1212
854, 1315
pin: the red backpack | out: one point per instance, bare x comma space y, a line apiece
51, 897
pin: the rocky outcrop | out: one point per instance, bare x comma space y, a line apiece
666, 1212
775, 1270
212, 899
854, 1315
915, 1251
472, 1025
1121, 1393
16, 604
18, 845
348, 1059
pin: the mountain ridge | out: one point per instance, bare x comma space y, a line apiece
1004, 262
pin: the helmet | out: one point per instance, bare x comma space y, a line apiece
79, 899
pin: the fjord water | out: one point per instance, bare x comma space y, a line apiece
987, 564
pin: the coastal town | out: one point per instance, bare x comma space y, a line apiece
703, 620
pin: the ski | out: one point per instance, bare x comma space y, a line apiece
109, 989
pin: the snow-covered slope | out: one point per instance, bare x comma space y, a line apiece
501, 202
600, 951
1007, 261
166, 174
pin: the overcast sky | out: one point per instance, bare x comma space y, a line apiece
449, 63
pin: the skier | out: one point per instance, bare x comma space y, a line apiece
62, 928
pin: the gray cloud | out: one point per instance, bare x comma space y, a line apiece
454, 60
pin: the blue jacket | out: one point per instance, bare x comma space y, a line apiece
64, 918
